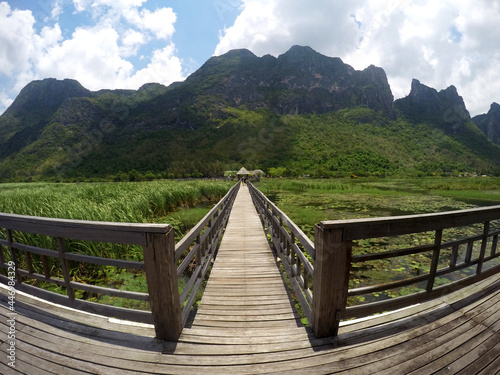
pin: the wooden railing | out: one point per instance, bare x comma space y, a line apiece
329, 262
53, 263
198, 248
291, 245
318, 273
334, 243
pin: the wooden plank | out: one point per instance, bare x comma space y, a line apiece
127, 264
99, 231
280, 359
91, 307
435, 260
331, 280
161, 277
184, 243
246, 324
484, 242
397, 225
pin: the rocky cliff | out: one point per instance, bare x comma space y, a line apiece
298, 82
489, 123
445, 108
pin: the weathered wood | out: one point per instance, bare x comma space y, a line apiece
331, 280
397, 225
283, 239
65, 269
86, 306
388, 344
13, 257
269, 207
161, 277
109, 291
99, 231
192, 235
484, 242
435, 260
119, 263
409, 300
494, 245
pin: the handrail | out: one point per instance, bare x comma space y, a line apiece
334, 242
199, 246
318, 272
291, 245
51, 262
328, 262
52, 265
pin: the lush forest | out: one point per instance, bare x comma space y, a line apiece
357, 141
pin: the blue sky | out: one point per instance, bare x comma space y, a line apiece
126, 43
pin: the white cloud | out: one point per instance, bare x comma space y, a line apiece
91, 56
16, 33
160, 23
56, 10
131, 42
439, 42
5, 101
164, 68
97, 55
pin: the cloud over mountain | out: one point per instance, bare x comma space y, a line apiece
440, 43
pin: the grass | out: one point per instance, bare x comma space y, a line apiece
181, 204
139, 202
309, 201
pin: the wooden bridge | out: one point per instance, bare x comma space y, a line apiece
247, 321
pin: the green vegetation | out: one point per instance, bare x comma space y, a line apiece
139, 202
181, 204
310, 201
355, 141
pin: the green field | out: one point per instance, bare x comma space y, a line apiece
308, 201
160, 201
181, 204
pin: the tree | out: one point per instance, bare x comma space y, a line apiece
277, 172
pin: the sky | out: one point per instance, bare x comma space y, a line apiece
127, 43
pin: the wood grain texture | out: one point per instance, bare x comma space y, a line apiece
458, 333
246, 324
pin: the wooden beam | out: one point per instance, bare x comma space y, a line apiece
396, 225
161, 277
330, 281
99, 231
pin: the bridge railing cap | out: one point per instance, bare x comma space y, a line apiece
397, 225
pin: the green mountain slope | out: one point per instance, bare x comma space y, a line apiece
305, 112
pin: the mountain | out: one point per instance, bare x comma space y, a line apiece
24, 120
303, 111
446, 111
489, 123
445, 108
298, 82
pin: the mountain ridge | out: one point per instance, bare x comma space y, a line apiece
230, 112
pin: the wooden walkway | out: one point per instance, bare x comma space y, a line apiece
246, 324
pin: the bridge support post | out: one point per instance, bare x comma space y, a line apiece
161, 277
331, 280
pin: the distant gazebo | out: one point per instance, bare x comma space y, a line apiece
243, 173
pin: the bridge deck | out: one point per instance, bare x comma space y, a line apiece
246, 324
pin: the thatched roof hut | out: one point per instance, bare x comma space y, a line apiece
243, 172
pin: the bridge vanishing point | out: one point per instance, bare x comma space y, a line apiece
247, 321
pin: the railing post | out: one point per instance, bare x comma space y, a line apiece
484, 242
161, 277
65, 269
330, 281
435, 260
